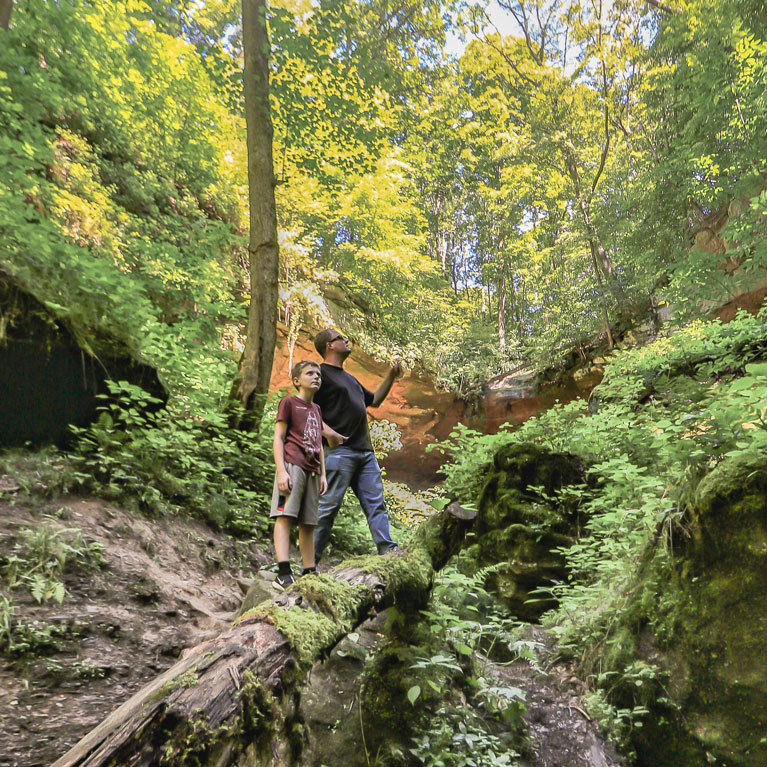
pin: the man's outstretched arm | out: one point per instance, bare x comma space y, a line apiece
380, 394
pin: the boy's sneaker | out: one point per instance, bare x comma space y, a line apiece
282, 581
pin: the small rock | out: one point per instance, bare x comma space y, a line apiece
8, 484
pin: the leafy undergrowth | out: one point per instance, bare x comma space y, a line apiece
665, 416
165, 461
469, 717
462, 683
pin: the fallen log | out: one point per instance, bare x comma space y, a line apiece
231, 701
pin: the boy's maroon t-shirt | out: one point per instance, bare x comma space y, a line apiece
303, 441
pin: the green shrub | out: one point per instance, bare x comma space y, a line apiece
168, 461
667, 414
42, 555
460, 625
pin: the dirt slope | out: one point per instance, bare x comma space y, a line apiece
164, 585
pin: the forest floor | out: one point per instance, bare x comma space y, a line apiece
164, 585
559, 731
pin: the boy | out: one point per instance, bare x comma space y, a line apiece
300, 477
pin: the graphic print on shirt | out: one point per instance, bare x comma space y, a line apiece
312, 433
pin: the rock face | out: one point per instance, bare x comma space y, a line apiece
518, 395
700, 623
521, 523
717, 659
48, 378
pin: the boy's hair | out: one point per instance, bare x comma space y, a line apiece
298, 368
321, 340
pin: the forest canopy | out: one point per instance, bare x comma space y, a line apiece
508, 203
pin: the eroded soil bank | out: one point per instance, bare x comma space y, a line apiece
163, 585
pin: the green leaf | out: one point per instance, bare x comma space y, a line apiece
413, 693
742, 383
59, 592
757, 369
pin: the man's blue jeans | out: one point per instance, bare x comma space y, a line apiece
358, 469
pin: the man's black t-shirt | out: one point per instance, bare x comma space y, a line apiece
343, 401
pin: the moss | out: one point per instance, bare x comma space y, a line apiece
701, 620
390, 719
732, 498
183, 681
522, 489
524, 521
335, 599
429, 536
309, 633
735, 477
258, 719
408, 574
313, 630
721, 628
526, 466
410, 566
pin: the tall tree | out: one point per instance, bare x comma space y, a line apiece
263, 249
6, 6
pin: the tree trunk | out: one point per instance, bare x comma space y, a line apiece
502, 307
6, 6
598, 254
256, 362
594, 239
442, 251
231, 701
605, 315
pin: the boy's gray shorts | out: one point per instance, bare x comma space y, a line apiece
304, 497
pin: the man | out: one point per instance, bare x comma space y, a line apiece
350, 461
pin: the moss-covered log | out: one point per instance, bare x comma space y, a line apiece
232, 700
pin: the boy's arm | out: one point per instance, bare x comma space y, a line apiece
332, 436
323, 477
278, 447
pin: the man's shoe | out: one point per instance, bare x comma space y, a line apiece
281, 582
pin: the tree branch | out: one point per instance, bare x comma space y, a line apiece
663, 8
606, 147
502, 53
6, 6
